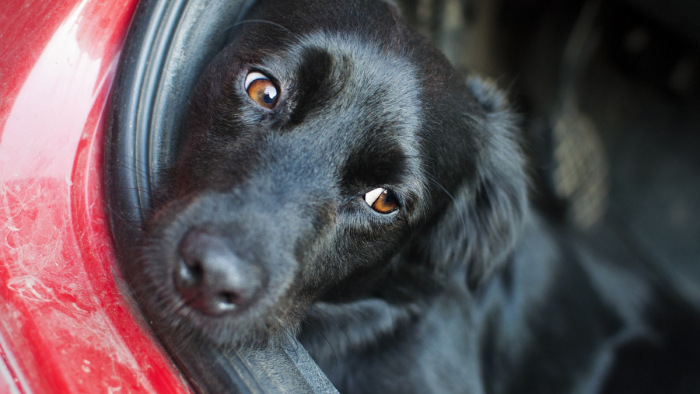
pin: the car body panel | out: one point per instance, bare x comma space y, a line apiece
65, 322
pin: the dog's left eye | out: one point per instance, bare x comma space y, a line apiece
261, 90
382, 200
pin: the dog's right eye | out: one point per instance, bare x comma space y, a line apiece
261, 90
382, 200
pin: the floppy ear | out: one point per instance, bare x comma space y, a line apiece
479, 231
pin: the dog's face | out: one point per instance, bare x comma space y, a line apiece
330, 154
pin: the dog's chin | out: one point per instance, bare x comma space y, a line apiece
254, 327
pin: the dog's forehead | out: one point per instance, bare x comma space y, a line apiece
357, 78
372, 94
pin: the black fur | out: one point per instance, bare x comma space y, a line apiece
460, 290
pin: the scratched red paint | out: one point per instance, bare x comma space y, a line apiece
64, 325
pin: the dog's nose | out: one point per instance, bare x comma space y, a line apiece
211, 277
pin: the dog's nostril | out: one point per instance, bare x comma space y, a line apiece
190, 273
229, 298
211, 277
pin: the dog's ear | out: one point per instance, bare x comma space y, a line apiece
479, 230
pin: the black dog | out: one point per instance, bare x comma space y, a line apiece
340, 181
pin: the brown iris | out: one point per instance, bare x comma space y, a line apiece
382, 200
261, 90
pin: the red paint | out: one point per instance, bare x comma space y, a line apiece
64, 324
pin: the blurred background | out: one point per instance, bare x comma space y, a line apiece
609, 93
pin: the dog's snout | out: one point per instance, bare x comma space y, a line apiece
211, 277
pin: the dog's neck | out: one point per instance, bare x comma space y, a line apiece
334, 332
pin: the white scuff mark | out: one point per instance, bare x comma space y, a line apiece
99, 331
10, 223
32, 228
30, 288
79, 309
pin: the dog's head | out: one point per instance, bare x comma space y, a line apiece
330, 153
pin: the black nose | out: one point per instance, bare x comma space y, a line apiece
211, 277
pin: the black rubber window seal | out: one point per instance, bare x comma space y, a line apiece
168, 45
